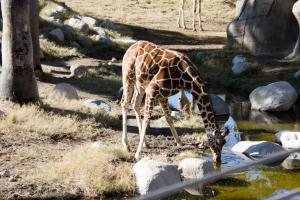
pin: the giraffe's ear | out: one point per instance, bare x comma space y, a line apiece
225, 132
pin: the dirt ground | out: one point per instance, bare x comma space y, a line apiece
149, 20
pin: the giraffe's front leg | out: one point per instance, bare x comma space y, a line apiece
147, 115
165, 107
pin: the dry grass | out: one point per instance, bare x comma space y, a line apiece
58, 51
93, 171
66, 118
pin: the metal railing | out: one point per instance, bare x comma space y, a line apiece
176, 188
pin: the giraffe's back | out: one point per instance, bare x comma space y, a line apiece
149, 65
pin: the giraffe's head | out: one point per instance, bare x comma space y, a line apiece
216, 141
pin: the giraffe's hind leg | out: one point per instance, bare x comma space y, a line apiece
165, 107
126, 98
137, 102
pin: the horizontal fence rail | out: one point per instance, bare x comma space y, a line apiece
178, 187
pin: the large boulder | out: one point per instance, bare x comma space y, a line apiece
195, 168
64, 91
288, 139
152, 175
257, 149
265, 27
278, 96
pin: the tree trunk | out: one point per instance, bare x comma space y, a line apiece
17, 81
34, 28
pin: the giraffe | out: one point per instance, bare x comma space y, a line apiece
196, 3
159, 73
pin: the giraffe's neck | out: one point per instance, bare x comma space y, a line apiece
202, 99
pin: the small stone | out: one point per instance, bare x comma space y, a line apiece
239, 64
79, 25
97, 104
108, 24
13, 179
175, 114
113, 60
57, 35
297, 74
4, 173
77, 70
91, 22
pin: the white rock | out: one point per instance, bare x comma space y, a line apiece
57, 34
4, 173
77, 70
256, 149
84, 41
97, 104
54, 10
91, 22
151, 175
292, 162
64, 91
239, 64
297, 74
193, 168
278, 96
79, 25
288, 139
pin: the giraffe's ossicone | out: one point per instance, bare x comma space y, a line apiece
159, 73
